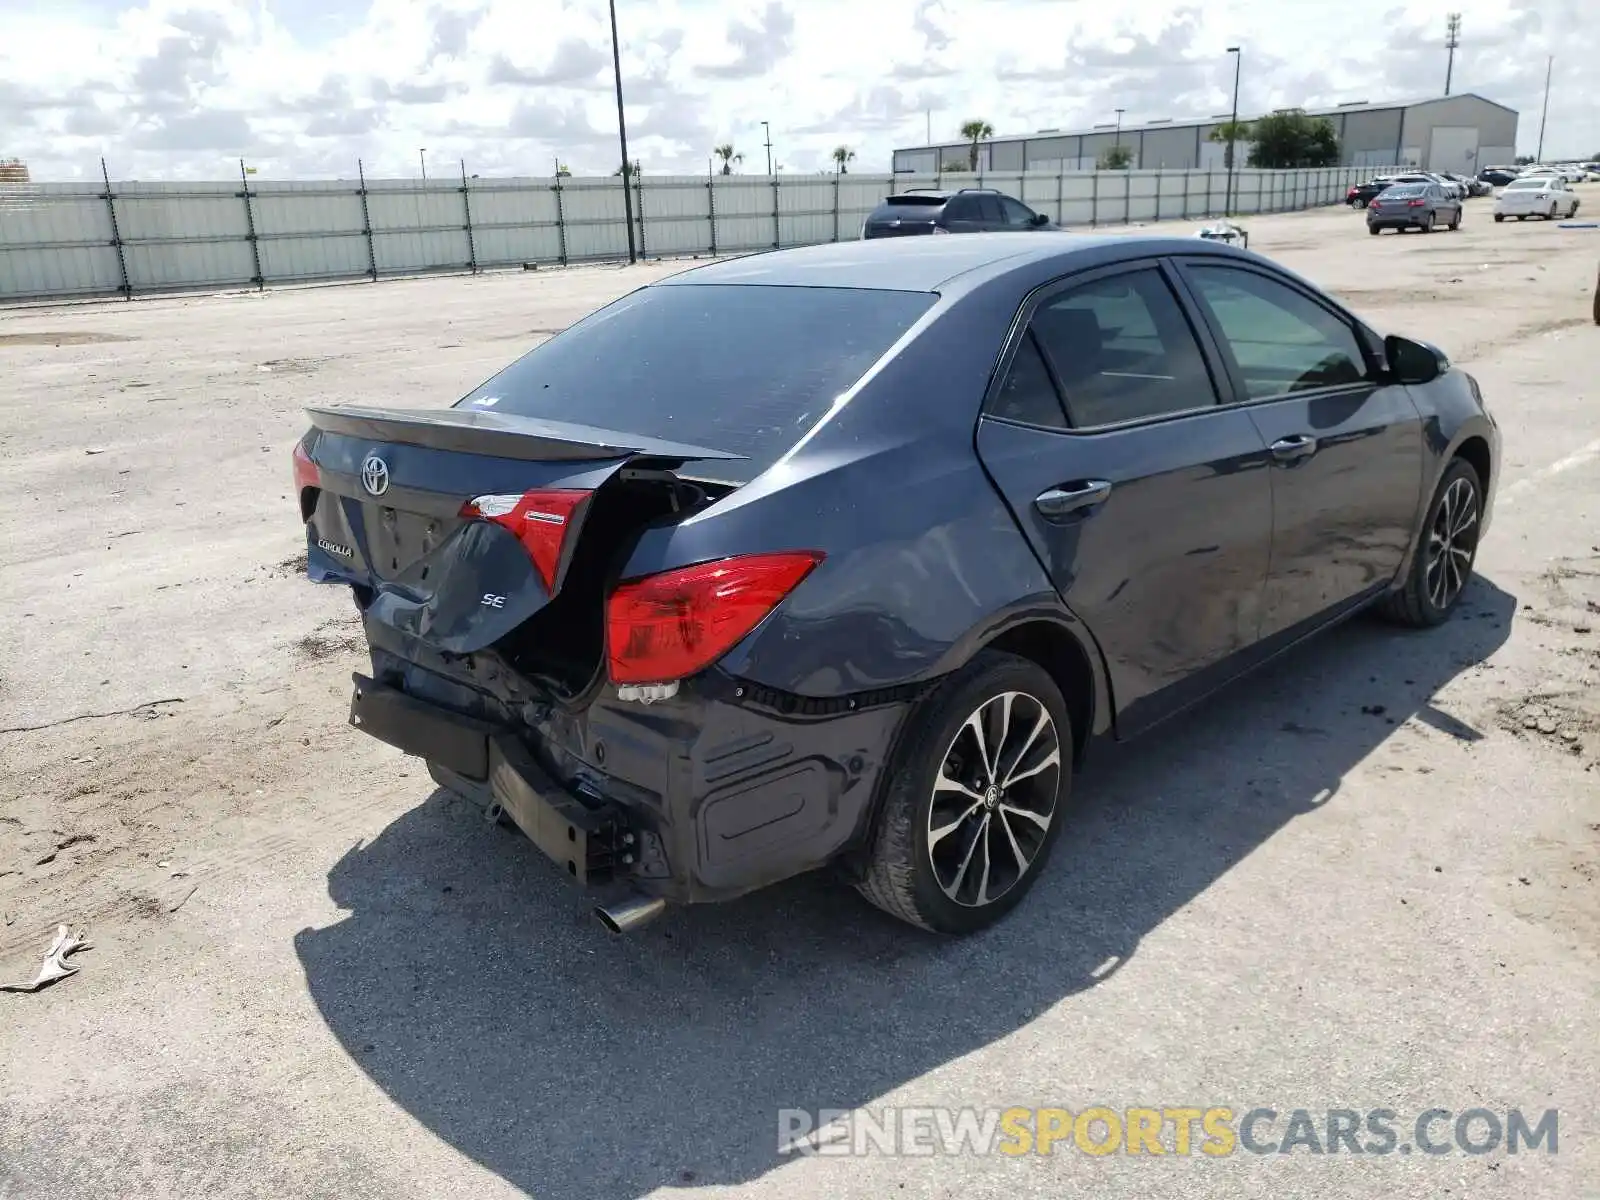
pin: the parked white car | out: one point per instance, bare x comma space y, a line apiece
1547, 196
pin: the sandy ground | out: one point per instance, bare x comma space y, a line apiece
1367, 878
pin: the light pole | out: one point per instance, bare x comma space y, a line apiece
768, 128
1549, 66
422, 157
1120, 111
1233, 128
622, 135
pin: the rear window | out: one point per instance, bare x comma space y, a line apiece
1525, 184
912, 201
743, 368
1404, 190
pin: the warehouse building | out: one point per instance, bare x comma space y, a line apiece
1460, 133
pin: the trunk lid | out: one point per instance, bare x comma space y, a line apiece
389, 502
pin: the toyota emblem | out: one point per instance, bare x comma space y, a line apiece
375, 475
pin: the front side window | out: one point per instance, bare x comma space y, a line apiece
1017, 213
1281, 340
1123, 350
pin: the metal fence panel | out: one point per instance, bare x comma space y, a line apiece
70, 240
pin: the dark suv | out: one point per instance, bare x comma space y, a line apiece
967, 210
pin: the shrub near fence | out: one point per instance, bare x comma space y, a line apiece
76, 240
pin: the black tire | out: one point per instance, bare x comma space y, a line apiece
1415, 603
1499, 216
1522, 216
1455, 222
902, 876
1427, 224
1374, 230
1362, 202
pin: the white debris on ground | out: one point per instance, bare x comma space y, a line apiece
55, 965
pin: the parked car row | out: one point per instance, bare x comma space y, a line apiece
1458, 187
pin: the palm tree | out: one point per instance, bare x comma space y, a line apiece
975, 131
1230, 132
728, 156
842, 155
633, 169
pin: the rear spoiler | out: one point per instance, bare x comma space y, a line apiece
502, 435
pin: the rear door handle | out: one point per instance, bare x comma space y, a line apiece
1294, 448
1069, 498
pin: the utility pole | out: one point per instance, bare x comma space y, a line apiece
1120, 111
1452, 39
768, 127
1233, 128
1538, 155
422, 157
622, 136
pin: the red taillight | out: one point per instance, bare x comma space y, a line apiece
306, 474
1352, 191
1415, 203
669, 626
538, 519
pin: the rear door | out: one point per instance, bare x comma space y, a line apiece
962, 215
1346, 448
1147, 502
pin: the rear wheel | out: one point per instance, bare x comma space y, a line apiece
1374, 230
1455, 221
1427, 223
1499, 216
977, 794
1444, 557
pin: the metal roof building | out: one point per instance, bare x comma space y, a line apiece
1459, 133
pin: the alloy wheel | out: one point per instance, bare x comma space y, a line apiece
1452, 541
994, 798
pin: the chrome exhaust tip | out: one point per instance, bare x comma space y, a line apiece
627, 915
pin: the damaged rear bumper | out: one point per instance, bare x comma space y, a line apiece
588, 840
702, 797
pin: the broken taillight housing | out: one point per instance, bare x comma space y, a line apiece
672, 625
539, 519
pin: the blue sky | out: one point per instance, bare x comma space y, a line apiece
173, 89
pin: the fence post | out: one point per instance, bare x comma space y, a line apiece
116, 237
1094, 200
250, 228
638, 191
1127, 195
836, 176
1061, 179
711, 206
1207, 212
366, 222
561, 220
466, 211
1158, 193
777, 229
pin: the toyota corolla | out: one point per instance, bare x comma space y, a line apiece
845, 556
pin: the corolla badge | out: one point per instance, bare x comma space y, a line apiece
375, 475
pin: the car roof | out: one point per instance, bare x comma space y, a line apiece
927, 264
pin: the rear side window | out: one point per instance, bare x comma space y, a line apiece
1028, 394
989, 207
1123, 350
742, 368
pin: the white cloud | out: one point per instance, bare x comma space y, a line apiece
302, 88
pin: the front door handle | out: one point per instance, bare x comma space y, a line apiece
1069, 498
1294, 448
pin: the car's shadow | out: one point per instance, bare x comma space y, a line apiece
472, 986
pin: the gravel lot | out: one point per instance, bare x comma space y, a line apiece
1366, 878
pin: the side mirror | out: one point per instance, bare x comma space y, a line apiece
1412, 362
1039, 219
